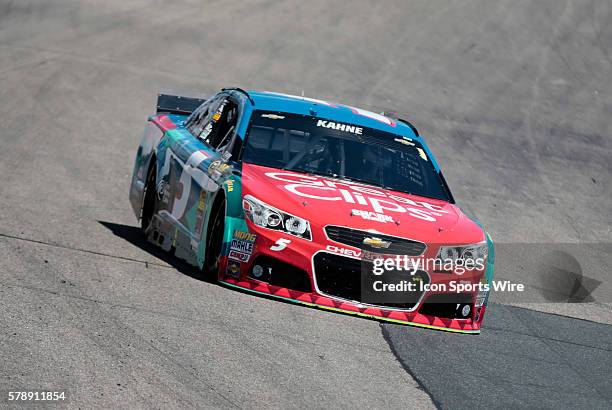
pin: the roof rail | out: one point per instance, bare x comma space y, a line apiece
240, 90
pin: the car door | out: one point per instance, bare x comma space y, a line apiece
197, 169
184, 158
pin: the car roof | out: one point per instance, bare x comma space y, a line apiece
272, 101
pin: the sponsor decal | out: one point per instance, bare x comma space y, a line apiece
238, 256
273, 116
200, 214
343, 251
242, 246
219, 111
163, 191
230, 185
202, 201
247, 236
213, 165
372, 216
340, 127
206, 131
216, 168
379, 201
422, 153
405, 141
233, 268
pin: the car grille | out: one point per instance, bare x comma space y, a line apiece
354, 237
339, 276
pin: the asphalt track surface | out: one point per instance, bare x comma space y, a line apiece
514, 97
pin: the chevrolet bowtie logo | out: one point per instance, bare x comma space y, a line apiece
376, 243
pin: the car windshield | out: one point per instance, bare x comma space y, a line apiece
319, 146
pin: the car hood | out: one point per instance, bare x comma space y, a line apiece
330, 201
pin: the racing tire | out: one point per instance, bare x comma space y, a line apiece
214, 243
149, 200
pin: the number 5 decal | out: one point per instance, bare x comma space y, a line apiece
280, 244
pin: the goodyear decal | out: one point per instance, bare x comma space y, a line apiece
233, 268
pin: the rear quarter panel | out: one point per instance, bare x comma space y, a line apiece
146, 151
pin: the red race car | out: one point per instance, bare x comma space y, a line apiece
312, 202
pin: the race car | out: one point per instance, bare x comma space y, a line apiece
299, 198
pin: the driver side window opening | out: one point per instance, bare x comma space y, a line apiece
214, 121
223, 124
215, 124
198, 119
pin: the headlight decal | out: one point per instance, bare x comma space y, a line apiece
267, 216
464, 256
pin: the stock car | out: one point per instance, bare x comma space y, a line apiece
285, 196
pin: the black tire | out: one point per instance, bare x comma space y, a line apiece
149, 200
214, 242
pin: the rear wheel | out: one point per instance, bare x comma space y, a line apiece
149, 200
214, 242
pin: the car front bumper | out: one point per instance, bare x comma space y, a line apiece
300, 255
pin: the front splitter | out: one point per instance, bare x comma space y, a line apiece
329, 304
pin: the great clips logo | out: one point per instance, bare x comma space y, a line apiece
379, 201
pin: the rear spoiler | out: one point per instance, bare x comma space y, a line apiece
176, 104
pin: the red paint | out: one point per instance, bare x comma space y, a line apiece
163, 122
320, 201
